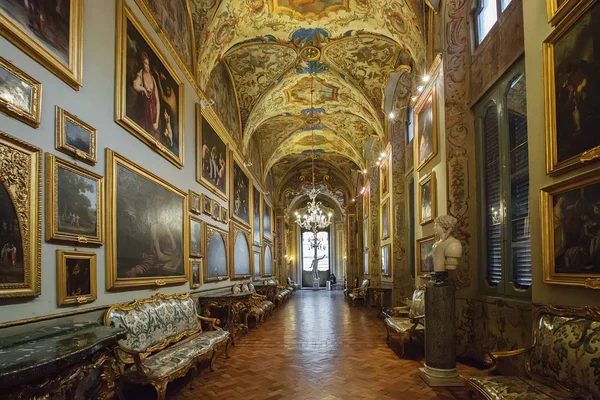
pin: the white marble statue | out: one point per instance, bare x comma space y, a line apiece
447, 251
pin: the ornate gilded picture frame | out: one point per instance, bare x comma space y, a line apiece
558, 9
384, 172
74, 137
215, 210
569, 211
212, 156
195, 202
59, 46
147, 227
267, 219
426, 129
216, 263
386, 253
75, 277
572, 103
196, 270
427, 198
74, 203
256, 215
224, 215
148, 93
20, 224
385, 219
206, 205
424, 255
241, 252
196, 238
20, 94
241, 193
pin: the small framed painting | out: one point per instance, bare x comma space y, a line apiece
425, 255
385, 260
224, 215
216, 266
20, 94
267, 261
196, 237
427, 199
206, 205
196, 271
74, 137
74, 203
240, 187
385, 219
195, 202
558, 9
76, 277
215, 212
425, 117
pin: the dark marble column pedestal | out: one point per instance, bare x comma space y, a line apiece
440, 333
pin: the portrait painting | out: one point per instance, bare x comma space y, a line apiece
241, 253
76, 277
267, 261
49, 31
256, 264
385, 219
267, 220
216, 266
147, 227
212, 157
573, 90
149, 94
425, 117
74, 137
224, 215
20, 217
240, 202
220, 89
195, 237
172, 20
206, 205
196, 270
427, 198
256, 211
216, 210
385, 260
74, 203
571, 230
384, 176
425, 255
195, 202
20, 94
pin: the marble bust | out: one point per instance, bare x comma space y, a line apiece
447, 250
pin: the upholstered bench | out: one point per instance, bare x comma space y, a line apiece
563, 362
164, 339
407, 321
257, 307
283, 294
359, 293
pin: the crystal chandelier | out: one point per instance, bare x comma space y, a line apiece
314, 219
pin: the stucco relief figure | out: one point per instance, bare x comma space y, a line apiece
315, 266
447, 250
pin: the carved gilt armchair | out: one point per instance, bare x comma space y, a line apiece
407, 321
359, 293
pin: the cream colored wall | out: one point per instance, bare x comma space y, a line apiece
536, 30
94, 104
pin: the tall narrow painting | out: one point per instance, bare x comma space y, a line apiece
149, 94
20, 211
212, 157
426, 128
256, 207
241, 187
241, 250
216, 266
147, 227
267, 216
49, 31
220, 88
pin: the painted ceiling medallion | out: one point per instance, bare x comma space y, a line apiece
308, 9
322, 91
310, 53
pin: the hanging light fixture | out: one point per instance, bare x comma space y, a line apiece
314, 219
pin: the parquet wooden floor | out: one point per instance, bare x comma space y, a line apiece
315, 347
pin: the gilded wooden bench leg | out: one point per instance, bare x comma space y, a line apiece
387, 331
193, 373
161, 389
212, 361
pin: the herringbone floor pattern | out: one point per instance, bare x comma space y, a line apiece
316, 347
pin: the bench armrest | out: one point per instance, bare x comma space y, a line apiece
138, 357
212, 322
492, 357
398, 311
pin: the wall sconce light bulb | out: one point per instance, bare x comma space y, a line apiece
392, 115
426, 78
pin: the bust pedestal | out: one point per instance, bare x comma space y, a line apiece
440, 333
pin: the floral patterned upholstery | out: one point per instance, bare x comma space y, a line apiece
513, 388
151, 323
401, 325
359, 293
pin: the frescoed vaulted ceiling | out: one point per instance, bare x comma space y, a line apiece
294, 77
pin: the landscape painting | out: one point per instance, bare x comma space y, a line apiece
74, 137
241, 195
11, 255
149, 93
20, 94
216, 266
147, 227
212, 157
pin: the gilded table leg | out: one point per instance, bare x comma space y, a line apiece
161, 390
212, 361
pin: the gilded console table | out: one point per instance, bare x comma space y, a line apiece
52, 362
268, 289
233, 304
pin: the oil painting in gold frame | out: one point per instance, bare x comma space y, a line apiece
224, 215
195, 202
427, 198
212, 155
215, 210
196, 270
20, 204
572, 105
20, 94
148, 93
216, 263
196, 238
74, 203
241, 193
241, 252
558, 9
58, 46
267, 260
385, 219
76, 282
147, 227
570, 211
75, 137
384, 173
426, 129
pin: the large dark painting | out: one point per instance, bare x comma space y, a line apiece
11, 256
212, 157
577, 89
256, 265
149, 227
216, 265
241, 194
256, 221
268, 260
267, 221
152, 106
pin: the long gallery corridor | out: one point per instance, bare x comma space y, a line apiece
316, 347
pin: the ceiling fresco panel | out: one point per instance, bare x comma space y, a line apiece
222, 91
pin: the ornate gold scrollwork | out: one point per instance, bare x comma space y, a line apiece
590, 155
81, 300
160, 282
592, 283
82, 239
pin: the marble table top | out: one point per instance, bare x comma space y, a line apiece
212, 296
48, 350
